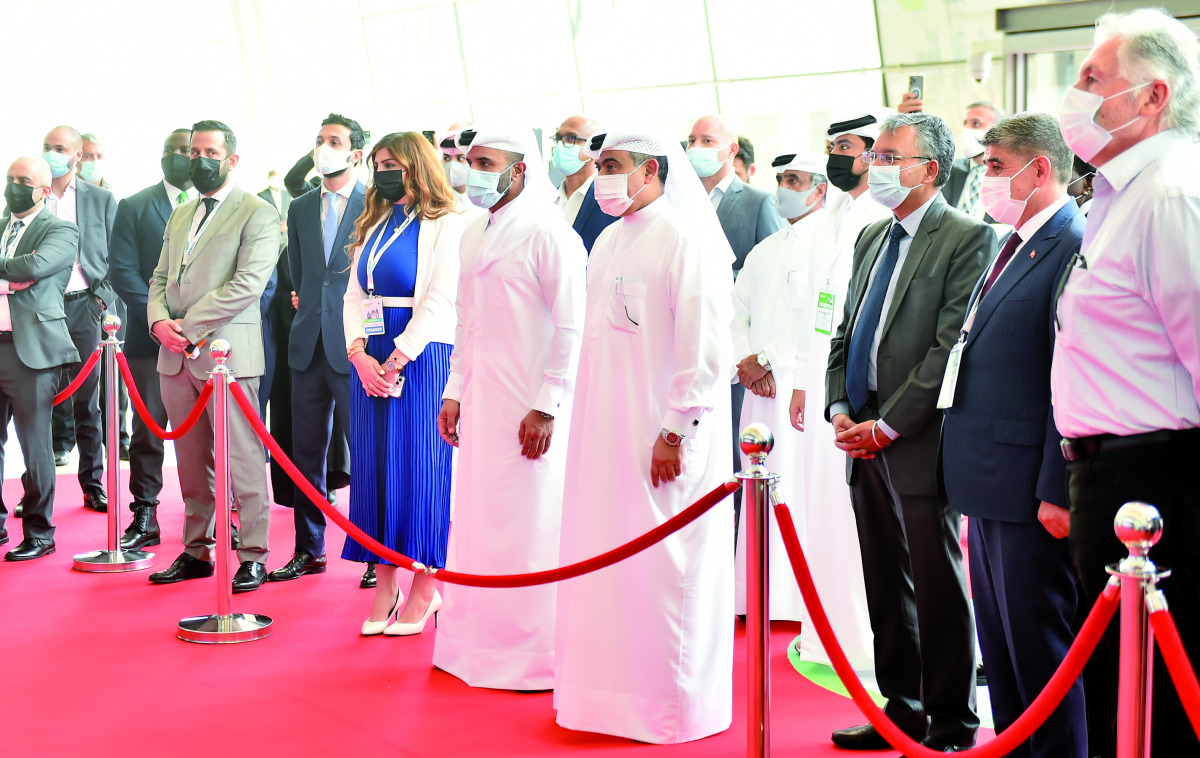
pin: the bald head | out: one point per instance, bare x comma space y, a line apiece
64, 136
30, 172
580, 125
713, 129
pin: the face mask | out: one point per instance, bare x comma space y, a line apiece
612, 192
1077, 122
390, 184
840, 170
996, 195
456, 172
60, 165
89, 171
791, 203
176, 170
483, 187
704, 160
206, 174
969, 143
330, 162
566, 159
19, 197
883, 182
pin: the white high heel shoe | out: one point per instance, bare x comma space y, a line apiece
371, 628
403, 630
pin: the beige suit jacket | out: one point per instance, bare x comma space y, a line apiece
216, 295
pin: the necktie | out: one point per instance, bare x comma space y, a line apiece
331, 225
859, 354
970, 204
10, 243
209, 203
1006, 252
182, 198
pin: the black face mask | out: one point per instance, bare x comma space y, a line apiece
207, 175
840, 170
19, 197
176, 170
390, 184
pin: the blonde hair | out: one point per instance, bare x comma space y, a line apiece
424, 182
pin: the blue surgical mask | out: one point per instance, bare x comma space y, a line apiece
883, 182
704, 160
566, 159
89, 171
483, 187
60, 165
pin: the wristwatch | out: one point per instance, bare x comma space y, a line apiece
672, 438
390, 365
547, 416
762, 360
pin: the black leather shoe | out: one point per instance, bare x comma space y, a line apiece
302, 562
249, 577
863, 738
980, 676
942, 745
123, 453
4, 537
62, 458
95, 499
332, 497
235, 537
19, 511
368, 580
143, 531
184, 567
30, 549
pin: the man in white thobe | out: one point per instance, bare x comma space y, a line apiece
770, 303
646, 646
833, 555
506, 407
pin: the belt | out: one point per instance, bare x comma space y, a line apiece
1085, 447
6, 337
398, 302
75, 295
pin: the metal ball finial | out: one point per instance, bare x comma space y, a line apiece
1139, 526
219, 351
112, 324
757, 440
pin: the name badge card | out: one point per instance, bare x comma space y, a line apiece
372, 316
950, 379
826, 300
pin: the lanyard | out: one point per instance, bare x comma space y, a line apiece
966, 329
195, 238
376, 252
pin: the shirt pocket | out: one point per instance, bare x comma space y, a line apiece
794, 288
507, 285
628, 306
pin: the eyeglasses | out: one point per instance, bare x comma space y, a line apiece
570, 140
888, 159
624, 302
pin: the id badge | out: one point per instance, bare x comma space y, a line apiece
950, 379
826, 300
372, 316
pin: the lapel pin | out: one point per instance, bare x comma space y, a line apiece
1032, 253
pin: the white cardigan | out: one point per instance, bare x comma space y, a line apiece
434, 318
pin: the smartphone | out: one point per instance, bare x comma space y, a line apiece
398, 386
916, 85
431, 136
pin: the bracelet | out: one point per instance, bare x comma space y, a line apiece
355, 351
547, 416
873, 439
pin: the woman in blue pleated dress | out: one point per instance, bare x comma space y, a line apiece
400, 322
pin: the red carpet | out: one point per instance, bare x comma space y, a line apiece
92, 667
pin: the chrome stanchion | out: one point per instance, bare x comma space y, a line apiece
1139, 526
224, 626
756, 442
113, 559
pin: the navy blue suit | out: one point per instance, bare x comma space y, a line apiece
591, 220
317, 348
1000, 460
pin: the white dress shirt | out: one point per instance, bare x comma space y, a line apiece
198, 217
66, 208
718, 192
1127, 357
173, 194
10, 245
572, 204
341, 200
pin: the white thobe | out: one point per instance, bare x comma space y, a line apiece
770, 302
646, 646
832, 548
520, 320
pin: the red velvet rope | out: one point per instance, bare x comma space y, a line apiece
1176, 658
79, 379
1021, 729
676, 522
136, 398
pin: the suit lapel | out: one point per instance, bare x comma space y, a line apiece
730, 200
585, 210
31, 237
859, 287
916, 252
341, 240
161, 202
222, 215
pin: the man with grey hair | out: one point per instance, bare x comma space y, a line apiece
1001, 463
1126, 372
912, 276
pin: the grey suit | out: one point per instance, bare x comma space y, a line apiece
908, 534
216, 295
38, 343
747, 215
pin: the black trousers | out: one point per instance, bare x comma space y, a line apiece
1161, 475
145, 448
84, 315
26, 396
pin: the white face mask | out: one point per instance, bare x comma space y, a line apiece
970, 142
330, 161
612, 192
883, 182
456, 172
1077, 122
483, 187
996, 195
790, 203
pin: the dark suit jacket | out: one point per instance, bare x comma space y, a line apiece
922, 323
319, 286
1000, 451
284, 197
591, 220
747, 215
95, 212
45, 256
137, 241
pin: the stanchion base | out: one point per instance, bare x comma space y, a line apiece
113, 561
220, 630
